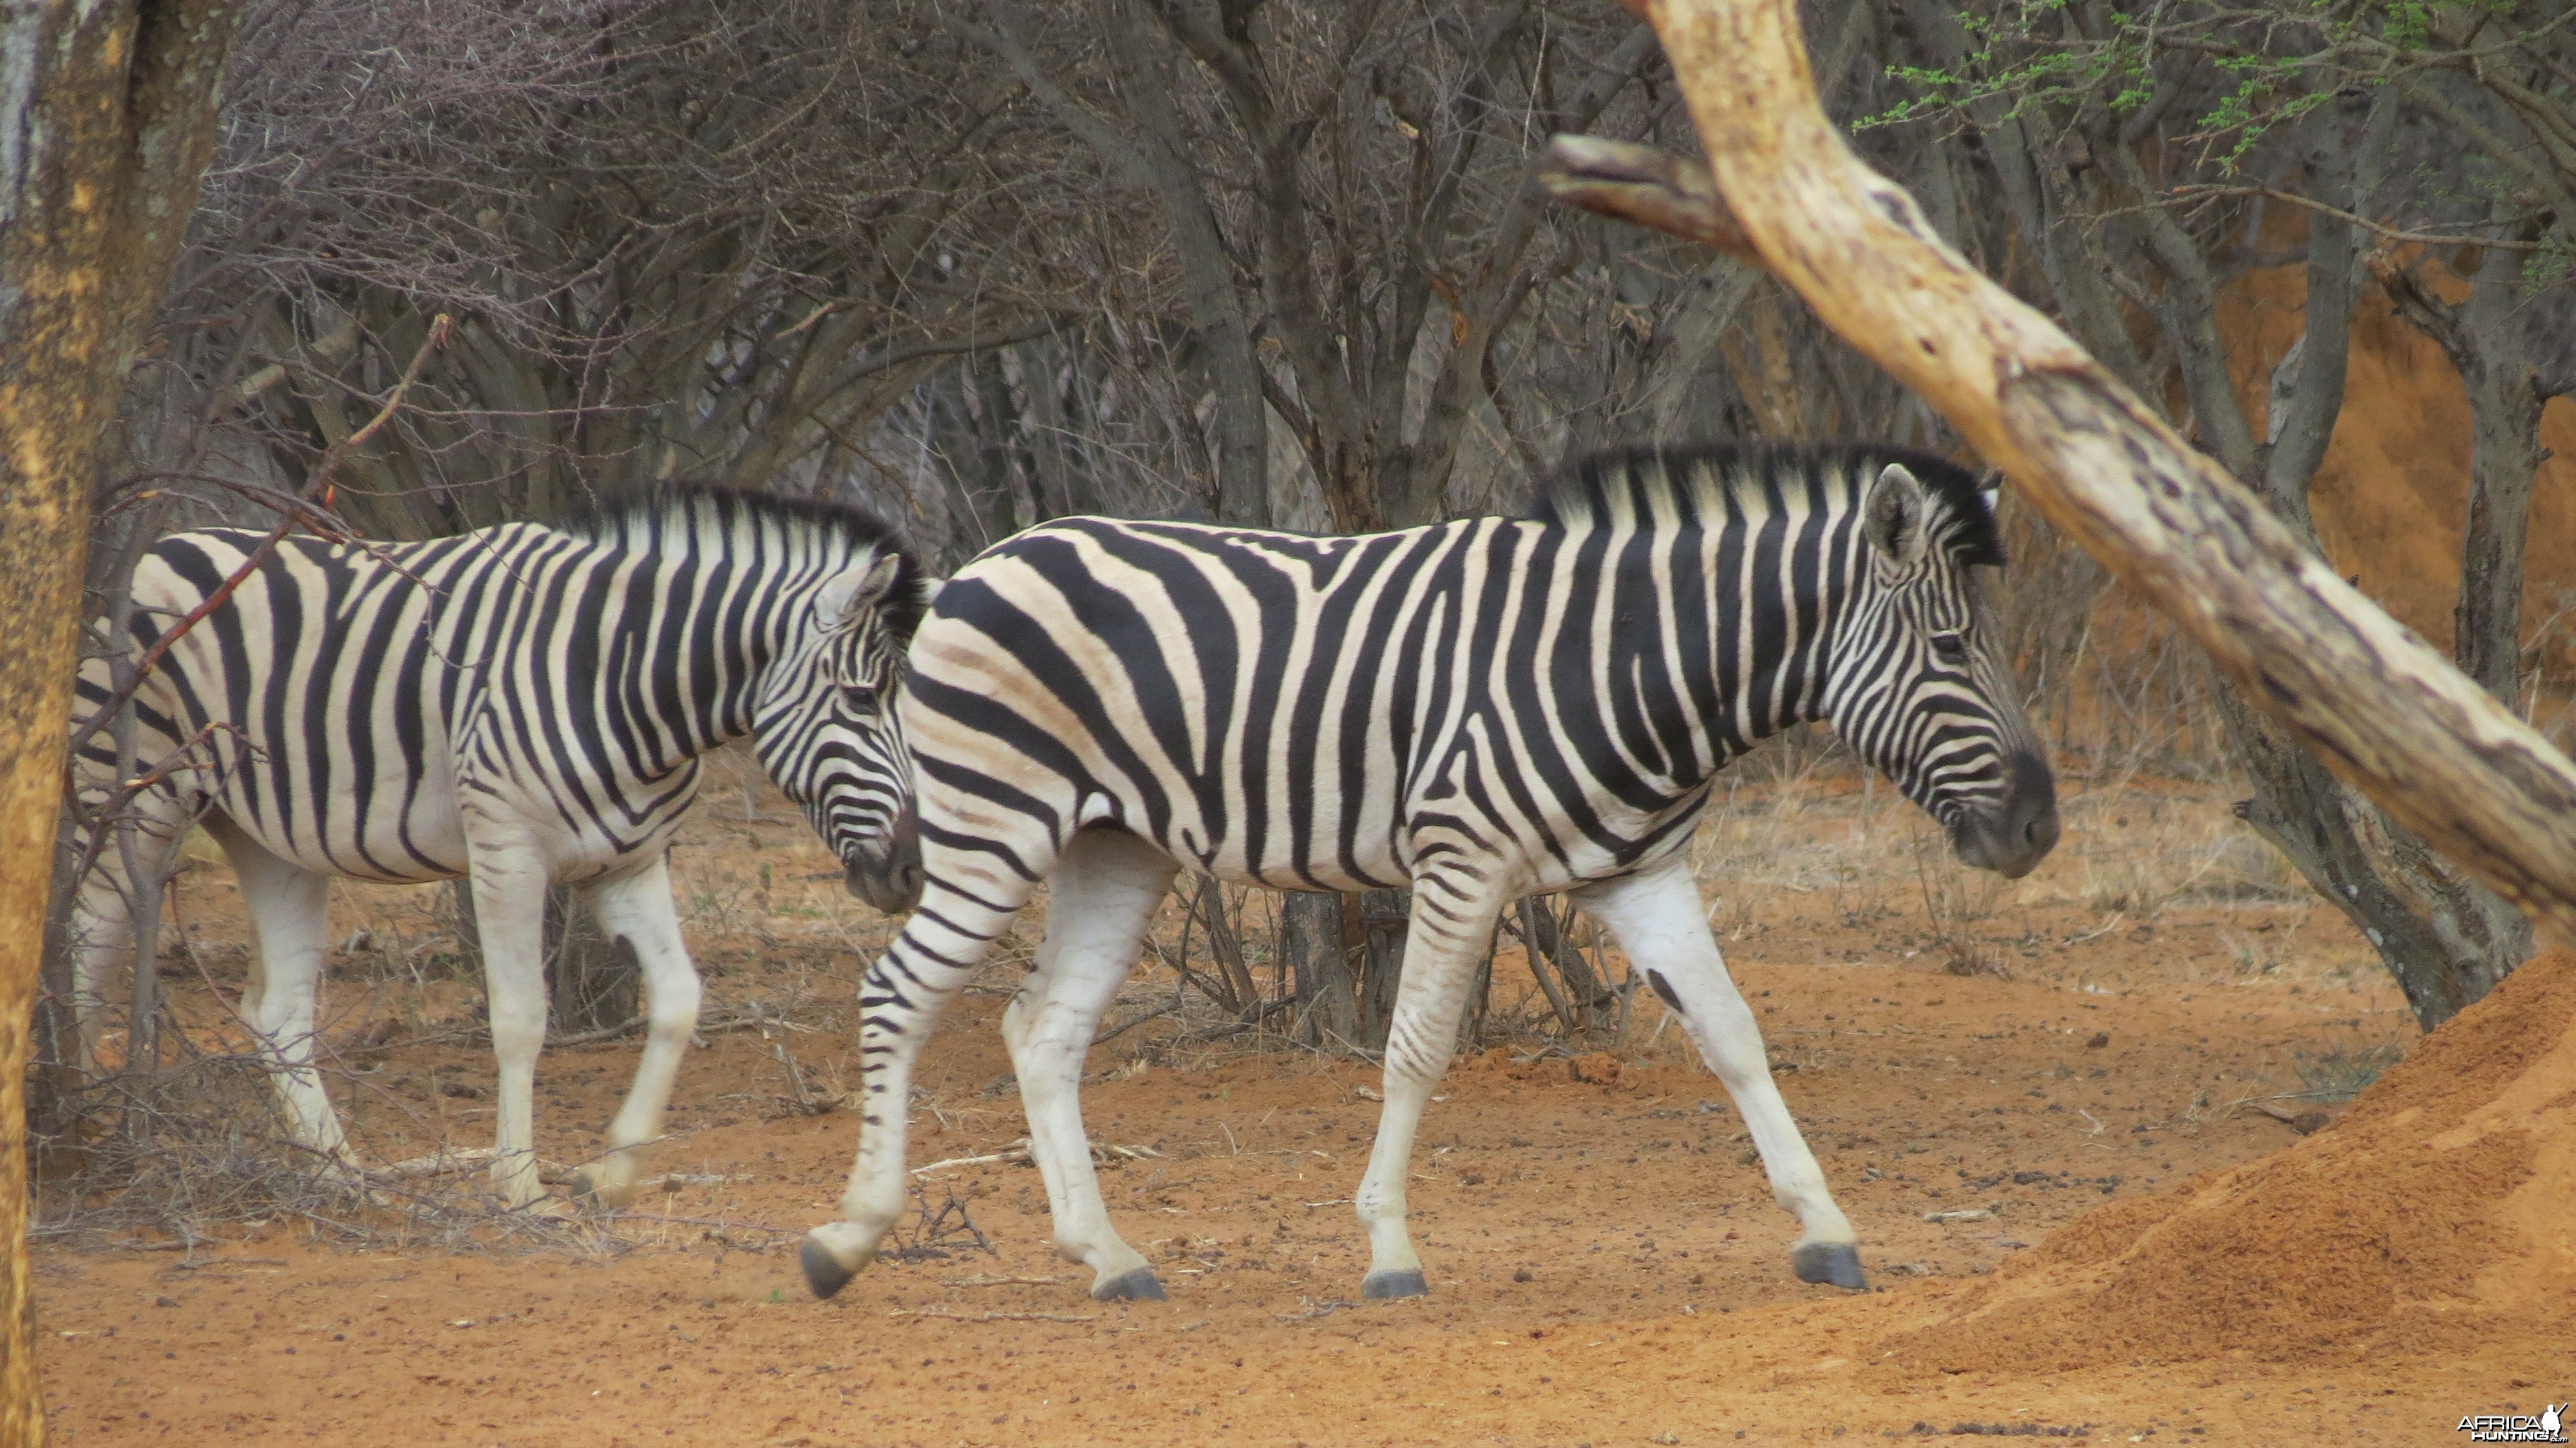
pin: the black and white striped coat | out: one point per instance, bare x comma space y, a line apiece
525, 705
1484, 709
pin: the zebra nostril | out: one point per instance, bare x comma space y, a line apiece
2040, 833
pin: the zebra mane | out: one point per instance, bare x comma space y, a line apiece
1698, 482
673, 516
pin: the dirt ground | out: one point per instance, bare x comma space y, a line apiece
1606, 1264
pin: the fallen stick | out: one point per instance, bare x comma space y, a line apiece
991, 1316
444, 1163
1018, 1153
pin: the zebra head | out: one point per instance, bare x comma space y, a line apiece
826, 727
1918, 683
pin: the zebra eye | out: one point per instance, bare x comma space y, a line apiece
1950, 648
859, 698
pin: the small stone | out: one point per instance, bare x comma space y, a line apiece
2100, 1039
1520, 1275
165, 1300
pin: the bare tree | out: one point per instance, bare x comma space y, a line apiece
678, 242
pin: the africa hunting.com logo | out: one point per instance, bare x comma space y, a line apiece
2516, 1427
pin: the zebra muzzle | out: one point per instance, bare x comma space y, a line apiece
2012, 836
889, 879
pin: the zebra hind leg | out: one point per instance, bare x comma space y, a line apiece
1099, 901
102, 934
1660, 923
1453, 922
102, 923
636, 908
900, 998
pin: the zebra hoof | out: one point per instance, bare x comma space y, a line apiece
827, 1270
592, 1193
1835, 1262
1394, 1284
1139, 1285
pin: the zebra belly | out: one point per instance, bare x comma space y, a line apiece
1337, 840
407, 830
1436, 842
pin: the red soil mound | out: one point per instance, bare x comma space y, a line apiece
2440, 1207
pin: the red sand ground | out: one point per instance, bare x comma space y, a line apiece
1606, 1265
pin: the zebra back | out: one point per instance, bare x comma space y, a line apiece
347, 703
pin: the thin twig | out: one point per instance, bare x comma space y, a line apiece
992, 1316
317, 492
2386, 233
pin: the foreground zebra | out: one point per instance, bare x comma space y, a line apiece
1487, 709
524, 705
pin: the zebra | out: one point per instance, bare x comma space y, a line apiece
1485, 708
523, 706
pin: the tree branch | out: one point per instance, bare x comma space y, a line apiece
1643, 186
2350, 683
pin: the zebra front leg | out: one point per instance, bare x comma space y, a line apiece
636, 908
509, 885
288, 908
1099, 901
900, 998
1659, 921
1453, 923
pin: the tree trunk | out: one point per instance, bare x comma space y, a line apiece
2445, 940
107, 115
1573, 988
2385, 712
1155, 157
2487, 346
592, 982
1218, 320
1381, 920
1327, 991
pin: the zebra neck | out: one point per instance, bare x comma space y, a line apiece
682, 652
1755, 608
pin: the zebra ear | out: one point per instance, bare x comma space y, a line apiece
845, 594
1893, 516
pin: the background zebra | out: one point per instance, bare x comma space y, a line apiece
526, 705
1485, 708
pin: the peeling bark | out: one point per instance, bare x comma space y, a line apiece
106, 121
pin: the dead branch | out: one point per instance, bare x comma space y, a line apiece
1017, 1154
1643, 185
2365, 694
317, 494
991, 1316
456, 1163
